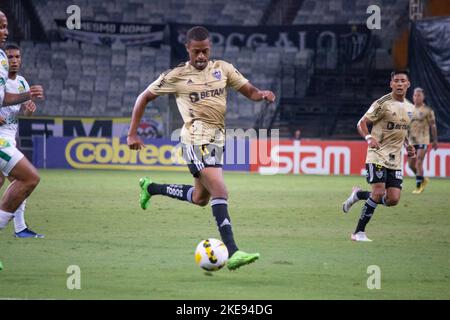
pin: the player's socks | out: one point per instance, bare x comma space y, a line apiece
5, 217
220, 212
19, 218
366, 215
178, 191
419, 181
363, 195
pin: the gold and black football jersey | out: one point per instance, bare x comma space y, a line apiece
423, 117
391, 120
201, 98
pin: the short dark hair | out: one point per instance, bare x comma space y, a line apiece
402, 71
197, 33
12, 46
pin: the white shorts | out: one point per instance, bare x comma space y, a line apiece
9, 156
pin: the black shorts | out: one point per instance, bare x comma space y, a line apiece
376, 173
421, 146
199, 157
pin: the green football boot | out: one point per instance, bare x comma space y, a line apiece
1, 266
241, 258
144, 197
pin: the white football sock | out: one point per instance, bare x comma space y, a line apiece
19, 218
5, 217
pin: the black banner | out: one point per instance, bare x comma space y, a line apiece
130, 34
429, 64
350, 42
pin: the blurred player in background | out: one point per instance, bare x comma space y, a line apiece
9, 125
419, 135
12, 161
390, 117
200, 89
297, 135
8, 98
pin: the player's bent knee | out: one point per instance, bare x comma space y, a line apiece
393, 202
200, 198
202, 202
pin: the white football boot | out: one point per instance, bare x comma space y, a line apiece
351, 200
360, 236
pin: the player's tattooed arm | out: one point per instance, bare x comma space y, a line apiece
133, 140
363, 130
253, 93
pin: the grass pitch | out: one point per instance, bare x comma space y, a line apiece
92, 219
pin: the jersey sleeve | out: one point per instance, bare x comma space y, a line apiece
25, 84
375, 112
234, 78
165, 84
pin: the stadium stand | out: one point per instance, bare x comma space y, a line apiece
79, 76
355, 86
101, 80
233, 12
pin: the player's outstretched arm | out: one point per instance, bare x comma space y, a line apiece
255, 94
133, 141
364, 132
15, 98
36, 93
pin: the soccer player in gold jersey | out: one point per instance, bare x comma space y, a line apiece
419, 135
390, 118
200, 87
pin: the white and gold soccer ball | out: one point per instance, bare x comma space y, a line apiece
211, 254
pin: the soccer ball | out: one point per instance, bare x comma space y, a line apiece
211, 254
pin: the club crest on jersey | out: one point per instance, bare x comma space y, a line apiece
410, 114
379, 174
5, 64
217, 74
